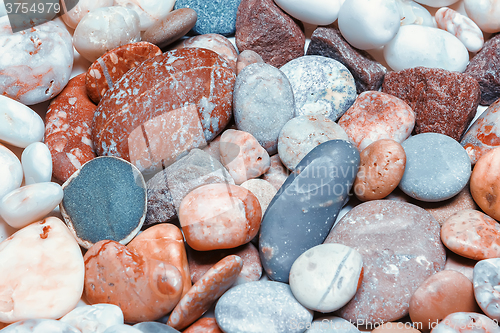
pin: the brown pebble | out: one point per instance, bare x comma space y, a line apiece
175, 25
485, 183
204, 325
246, 58
217, 43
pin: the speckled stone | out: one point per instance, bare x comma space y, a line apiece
105, 199
204, 325
484, 183
320, 85
40, 326
263, 103
154, 327
303, 212
486, 281
217, 43
437, 167
400, 246
262, 306
215, 16
332, 324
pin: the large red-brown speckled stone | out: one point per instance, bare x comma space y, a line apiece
68, 129
111, 66
162, 88
444, 102
261, 26
401, 247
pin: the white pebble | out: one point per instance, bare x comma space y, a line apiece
39, 326
122, 329
461, 27
37, 163
417, 45
19, 125
104, 29
30, 203
369, 24
486, 13
437, 3
82, 8
413, 13
149, 11
94, 318
318, 12
3, 10
11, 171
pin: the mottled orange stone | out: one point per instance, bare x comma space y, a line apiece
164, 242
205, 292
219, 216
204, 325
485, 183
145, 289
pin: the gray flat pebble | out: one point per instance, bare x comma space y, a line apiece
154, 327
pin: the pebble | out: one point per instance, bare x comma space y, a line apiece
400, 246
44, 279
168, 187
105, 199
36, 63
80, 8
331, 324
485, 69
255, 19
111, 66
263, 102
444, 102
329, 42
436, 3
30, 203
326, 277
204, 325
381, 168
224, 216
201, 261
368, 25
461, 27
277, 173
144, 289
215, 282
121, 329
40, 326
149, 12
485, 13
304, 211
94, 318
484, 134
217, 43
243, 156
454, 262
437, 167
263, 190
171, 28
321, 86
214, 17
375, 116
484, 184
164, 242
22, 125
268, 307
11, 171
317, 12
413, 13
486, 280
198, 77
68, 129
154, 327
466, 322
441, 294
302, 134
37, 163
246, 58
416, 45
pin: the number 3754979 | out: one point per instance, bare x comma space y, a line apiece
32, 8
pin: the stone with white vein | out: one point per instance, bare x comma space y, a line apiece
19, 125
461, 27
11, 171
485, 13
37, 163
94, 318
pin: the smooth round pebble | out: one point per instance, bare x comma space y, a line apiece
245, 58
413, 13
486, 281
437, 167
302, 134
175, 25
321, 86
381, 168
154, 327
11, 171
326, 277
94, 318
37, 163
263, 190
316, 12
485, 13
332, 324
461, 27
466, 322
149, 11
261, 306
80, 9
369, 24
40, 326
104, 29
485, 184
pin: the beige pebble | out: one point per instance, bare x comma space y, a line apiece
277, 173
262, 189
246, 58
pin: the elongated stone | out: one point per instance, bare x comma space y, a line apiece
11, 171
304, 210
37, 163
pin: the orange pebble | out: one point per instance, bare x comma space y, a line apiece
204, 325
485, 183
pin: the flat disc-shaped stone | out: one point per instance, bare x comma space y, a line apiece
105, 199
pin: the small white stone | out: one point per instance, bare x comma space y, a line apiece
149, 11
30, 203
332, 324
37, 163
94, 318
461, 27
325, 277
437, 3
122, 329
40, 326
413, 13
417, 45
318, 12
11, 171
486, 13
3, 10
369, 24
82, 8
104, 29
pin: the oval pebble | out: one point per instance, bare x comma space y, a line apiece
466, 322
485, 13
326, 277
94, 318
416, 45
74, 15
37, 163
263, 190
154, 327
267, 306
485, 185
30, 203
317, 12
20, 125
11, 171
263, 102
149, 11
486, 280
40, 326
320, 85
104, 29
413, 13
169, 29
331, 324
461, 27
437, 167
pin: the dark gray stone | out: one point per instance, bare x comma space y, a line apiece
301, 215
